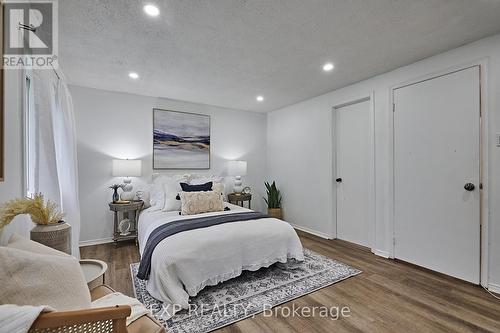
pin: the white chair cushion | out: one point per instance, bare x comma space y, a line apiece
21, 243
30, 278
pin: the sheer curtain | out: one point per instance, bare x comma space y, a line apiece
56, 173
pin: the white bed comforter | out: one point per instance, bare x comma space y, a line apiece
185, 263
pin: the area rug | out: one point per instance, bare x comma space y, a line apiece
247, 295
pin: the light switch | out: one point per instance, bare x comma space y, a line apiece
498, 140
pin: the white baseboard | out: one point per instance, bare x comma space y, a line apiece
96, 241
381, 253
494, 288
312, 232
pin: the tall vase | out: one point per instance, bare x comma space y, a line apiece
116, 197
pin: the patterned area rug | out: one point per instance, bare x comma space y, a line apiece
247, 295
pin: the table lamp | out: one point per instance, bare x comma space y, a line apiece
127, 169
237, 169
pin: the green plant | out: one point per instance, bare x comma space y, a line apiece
41, 213
273, 196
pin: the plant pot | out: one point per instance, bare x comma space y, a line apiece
56, 236
275, 212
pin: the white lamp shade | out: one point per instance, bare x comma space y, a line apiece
237, 168
127, 168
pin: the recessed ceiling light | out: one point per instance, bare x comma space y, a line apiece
328, 67
259, 98
151, 10
133, 75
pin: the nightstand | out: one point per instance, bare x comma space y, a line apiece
129, 211
239, 198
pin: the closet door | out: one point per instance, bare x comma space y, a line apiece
437, 174
353, 172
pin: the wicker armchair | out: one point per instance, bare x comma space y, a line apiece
101, 320
97, 320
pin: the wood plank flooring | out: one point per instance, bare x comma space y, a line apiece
389, 296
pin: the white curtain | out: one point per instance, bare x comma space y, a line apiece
56, 173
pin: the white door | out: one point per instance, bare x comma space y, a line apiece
436, 153
353, 172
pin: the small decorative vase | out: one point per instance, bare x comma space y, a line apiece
116, 196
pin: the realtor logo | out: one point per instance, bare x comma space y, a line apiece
31, 30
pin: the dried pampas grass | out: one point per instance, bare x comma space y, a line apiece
41, 213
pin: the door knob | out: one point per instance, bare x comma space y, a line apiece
469, 187
338, 180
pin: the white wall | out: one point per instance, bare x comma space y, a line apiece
12, 187
300, 147
117, 125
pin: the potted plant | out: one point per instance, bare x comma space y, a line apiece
49, 229
116, 196
273, 200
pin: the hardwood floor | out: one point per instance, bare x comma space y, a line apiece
389, 296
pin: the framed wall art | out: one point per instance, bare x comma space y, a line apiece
181, 140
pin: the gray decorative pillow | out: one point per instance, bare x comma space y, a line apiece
200, 202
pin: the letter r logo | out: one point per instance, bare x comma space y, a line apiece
16, 20
30, 27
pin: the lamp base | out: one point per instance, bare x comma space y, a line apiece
238, 185
127, 194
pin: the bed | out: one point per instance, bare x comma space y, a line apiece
185, 263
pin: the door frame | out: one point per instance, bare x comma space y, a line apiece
372, 204
484, 145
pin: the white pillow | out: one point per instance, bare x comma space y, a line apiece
158, 190
218, 183
160, 178
144, 194
172, 189
159, 193
157, 197
219, 188
199, 180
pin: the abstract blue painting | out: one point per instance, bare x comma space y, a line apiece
180, 140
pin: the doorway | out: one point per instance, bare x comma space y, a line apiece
354, 166
437, 174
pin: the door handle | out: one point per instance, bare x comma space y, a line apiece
338, 180
469, 187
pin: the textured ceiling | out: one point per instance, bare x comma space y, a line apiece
226, 52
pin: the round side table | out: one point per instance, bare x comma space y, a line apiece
94, 270
239, 198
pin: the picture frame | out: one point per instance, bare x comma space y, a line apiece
181, 140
